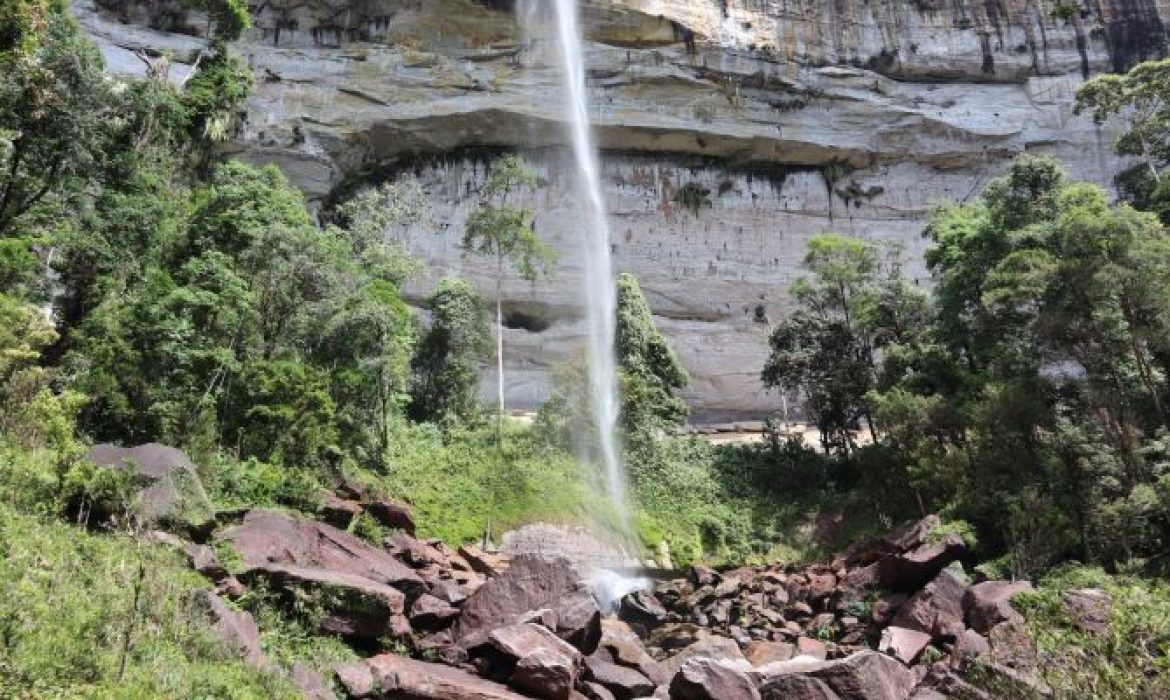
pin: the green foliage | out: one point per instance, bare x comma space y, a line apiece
649, 370
68, 613
446, 364
1128, 661
504, 231
55, 105
855, 304
1139, 99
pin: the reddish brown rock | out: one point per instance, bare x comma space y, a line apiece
968, 646
357, 679
709, 679
760, 652
578, 619
885, 608
430, 613
546, 673
866, 675
625, 648
415, 553
236, 629
399, 677
273, 540
643, 609
793, 686
821, 585
910, 570
1090, 609
903, 644
807, 646
936, 609
519, 640
622, 682
311, 684
532, 582
482, 562
354, 606
396, 516
1012, 645
339, 512
709, 647
989, 603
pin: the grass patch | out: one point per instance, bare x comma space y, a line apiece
1130, 661
68, 620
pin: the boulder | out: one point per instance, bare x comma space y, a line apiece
578, 619
888, 606
793, 686
710, 679
482, 562
989, 603
866, 675
622, 682
388, 676
625, 648
339, 512
936, 609
355, 607
1089, 609
709, 647
357, 679
813, 648
413, 552
395, 516
760, 652
170, 492
968, 646
236, 629
546, 673
596, 691
641, 608
311, 684
519, 640
910, 570
430, 613
531, 582
202, 559
903, 644
267, 539
1012, 645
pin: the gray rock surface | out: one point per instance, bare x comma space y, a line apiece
775, 121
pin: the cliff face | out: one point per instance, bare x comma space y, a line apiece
732, 131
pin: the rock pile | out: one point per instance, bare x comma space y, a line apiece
887, 619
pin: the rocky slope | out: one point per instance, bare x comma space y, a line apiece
732, 131
889, 618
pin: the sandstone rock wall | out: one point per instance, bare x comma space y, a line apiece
733, 130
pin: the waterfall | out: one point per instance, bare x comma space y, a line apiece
599, 290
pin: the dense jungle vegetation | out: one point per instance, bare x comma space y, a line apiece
152, 291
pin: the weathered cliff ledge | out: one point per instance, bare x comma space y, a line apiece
732, 131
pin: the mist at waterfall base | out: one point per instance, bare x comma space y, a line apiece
557, 20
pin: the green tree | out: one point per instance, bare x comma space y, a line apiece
650, 372
446, 363
55, 107
502, 230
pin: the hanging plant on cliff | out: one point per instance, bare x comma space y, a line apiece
502, 230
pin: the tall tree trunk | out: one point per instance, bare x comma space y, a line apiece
500, 351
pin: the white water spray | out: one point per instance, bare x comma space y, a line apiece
600, 285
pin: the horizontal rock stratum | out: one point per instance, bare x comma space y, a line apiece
732, 131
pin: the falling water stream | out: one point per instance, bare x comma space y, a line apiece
599, 284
